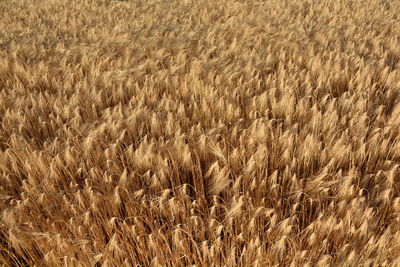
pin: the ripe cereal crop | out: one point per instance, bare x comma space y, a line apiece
206, 133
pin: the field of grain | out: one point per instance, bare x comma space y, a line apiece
199, 132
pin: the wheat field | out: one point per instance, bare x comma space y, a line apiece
207, 133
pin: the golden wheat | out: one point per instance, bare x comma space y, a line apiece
207, 133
